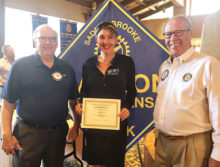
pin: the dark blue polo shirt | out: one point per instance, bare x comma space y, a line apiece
42, 93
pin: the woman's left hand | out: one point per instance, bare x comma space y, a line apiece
124, 114
72, 134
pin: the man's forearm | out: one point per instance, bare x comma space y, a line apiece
72, 104
6, 115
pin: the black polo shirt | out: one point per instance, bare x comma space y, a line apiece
42, 93
117, 83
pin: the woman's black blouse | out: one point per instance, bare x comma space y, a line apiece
117, 83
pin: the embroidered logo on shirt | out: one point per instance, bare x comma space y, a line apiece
187, 77
113, 72
57, 76
164, 75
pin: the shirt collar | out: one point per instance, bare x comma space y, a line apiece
96, 61
114, 60
39, 62
184, 57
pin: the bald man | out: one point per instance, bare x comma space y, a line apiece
43, 85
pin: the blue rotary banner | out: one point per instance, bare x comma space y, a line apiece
38, 20
134, 40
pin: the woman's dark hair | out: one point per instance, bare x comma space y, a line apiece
107, 26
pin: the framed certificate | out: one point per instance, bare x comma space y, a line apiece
101, 113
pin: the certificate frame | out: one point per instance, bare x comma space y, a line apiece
101, 113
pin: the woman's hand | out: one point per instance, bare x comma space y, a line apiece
124, 114
72, 134
78, 108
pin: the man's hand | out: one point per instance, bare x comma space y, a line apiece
124, 114
9, 144
213, 163
74, 131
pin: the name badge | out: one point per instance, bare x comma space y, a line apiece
164, 75
113, 72
187, 77
57, 76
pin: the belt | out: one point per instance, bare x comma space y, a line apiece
173, 137
35, 125
170, 137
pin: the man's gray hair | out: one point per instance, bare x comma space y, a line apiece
39, 28
181, 17
4, 48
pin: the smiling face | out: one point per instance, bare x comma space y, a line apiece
177, 45
107, 41
46, 42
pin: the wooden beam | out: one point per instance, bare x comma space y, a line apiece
166, 5
81, 2
141, 7
179, 2
127, 2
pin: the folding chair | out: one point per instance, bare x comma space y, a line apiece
73, 153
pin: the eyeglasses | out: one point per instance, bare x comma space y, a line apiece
177, 33
50, 39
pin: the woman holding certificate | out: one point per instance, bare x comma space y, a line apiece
108, 76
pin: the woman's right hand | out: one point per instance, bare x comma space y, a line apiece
78, 108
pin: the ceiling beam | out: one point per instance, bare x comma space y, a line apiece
82, 3
127, 2
160, 8
141, 7
99, 2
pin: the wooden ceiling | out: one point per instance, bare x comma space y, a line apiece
139, 8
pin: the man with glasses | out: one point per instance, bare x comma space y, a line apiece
43, 85
187, 109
